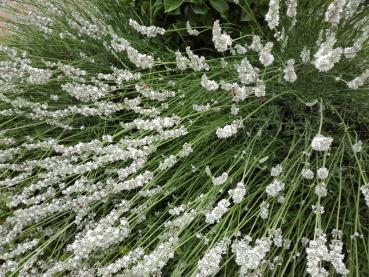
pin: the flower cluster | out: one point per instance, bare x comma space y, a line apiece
334, 11
359, 81
272, 17
151, 31
274, 188
289, 71
266, 58
229, 130
327, 56
210, 262
321, 143
208, 84
251, 258
191, 31
222, 41
317, 252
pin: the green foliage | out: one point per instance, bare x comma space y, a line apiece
245, 17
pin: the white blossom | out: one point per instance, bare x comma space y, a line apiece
197, 63
238, 193
191, 31
322, 173
220, 180
264, 210
259, 89
256, 43
274, 188
359, 81
248, 257
246, 72
222, 41
151, 31
307, 173
216, 214
182, 62
210, 85
327, 56
272, 17
289, 71
291, 8
321, 190
210, 262
317, 252
334, 11
365, 191
266, 58
321, 143
153, 262
229, 130
305, 55
276, 170
357, 147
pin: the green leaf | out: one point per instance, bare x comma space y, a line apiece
199, 9
171, 5
194, 1
245, 16
221, 6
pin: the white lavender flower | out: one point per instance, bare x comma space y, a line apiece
201, 108
317, 252
128, 259
182, 62
222, 41
305, 55
365, 191
150, 31
272, 16
234, 109
336, 257
289, 71
140, 60
259, 89
276, 170
266, 58
238, 193
327, 56
220, 180
274, 188
264, 210
256, 43
307, 173
321, 143
250, 258
191, 31
357, 147
229, 130
321, 190
167, 163
216, 214
359, 81
152, 263
197, 63
334, 11
246, 72
240, 49
210, 262
210, 85
291, 8
322, 173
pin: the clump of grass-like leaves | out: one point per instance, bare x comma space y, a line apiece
121, 155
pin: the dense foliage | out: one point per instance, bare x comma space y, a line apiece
126, 153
